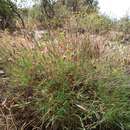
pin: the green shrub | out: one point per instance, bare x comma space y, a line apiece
123, 25
94, 22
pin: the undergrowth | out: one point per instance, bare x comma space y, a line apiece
63, 86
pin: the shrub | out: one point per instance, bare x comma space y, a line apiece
123, 25
94, 22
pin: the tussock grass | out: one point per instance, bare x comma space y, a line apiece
63, 84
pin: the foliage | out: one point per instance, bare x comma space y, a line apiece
94, 22
123, 25
52, 10
68, 88
64, 81
77, 5
8, 12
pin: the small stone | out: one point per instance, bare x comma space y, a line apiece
2, 72
38, 34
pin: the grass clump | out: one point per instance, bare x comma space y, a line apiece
68, 89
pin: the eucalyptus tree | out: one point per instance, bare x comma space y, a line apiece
77, 5
8, 14
47, 8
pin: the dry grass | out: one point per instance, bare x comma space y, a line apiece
70, 81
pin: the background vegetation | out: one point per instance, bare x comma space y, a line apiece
67, 68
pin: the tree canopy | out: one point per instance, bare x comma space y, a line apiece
8, 12
47, 6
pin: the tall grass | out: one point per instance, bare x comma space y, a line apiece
63, 85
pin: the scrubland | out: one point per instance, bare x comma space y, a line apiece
74, 77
